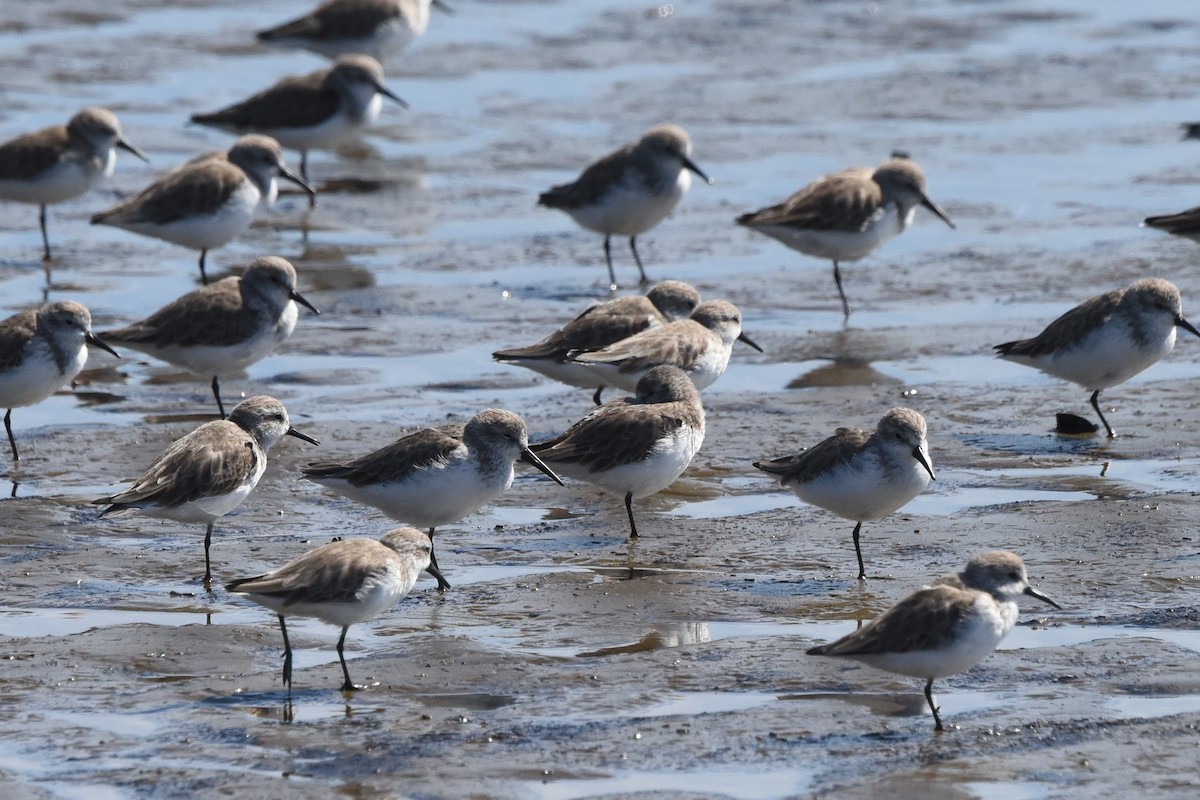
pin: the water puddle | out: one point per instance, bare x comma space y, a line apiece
748, 783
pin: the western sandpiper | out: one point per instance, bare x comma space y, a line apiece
343, 582
859, 475
223, 328
317, 111
945, 628
599, 326
1108, 339
209, 472
61, 162
634, 446
846, 215
1185, 223
437, 475
209, 200
699, 345
378, 28
39, 352
631, 190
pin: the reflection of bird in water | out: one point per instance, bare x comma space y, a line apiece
663, 635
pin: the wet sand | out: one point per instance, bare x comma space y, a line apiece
568, 661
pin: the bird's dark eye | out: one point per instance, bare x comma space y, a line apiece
1016, 576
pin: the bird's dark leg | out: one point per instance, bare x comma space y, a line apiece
312, 198
596, 396
207, 563
1096, 405
45, 236
937, 720
347, 686
633, 534
638, 259
862, 571
216, 389
837, 278
443, 584
203, 274
612, 276
287, 656
11, 440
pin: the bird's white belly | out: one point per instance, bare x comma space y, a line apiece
207, 509
567, 372
226, 359
651, 475
629, 208
1106, 358
862, 490
59, 183
326, 135
38, 376
377, 595
432, 497
975, 638
840, 245
205, 231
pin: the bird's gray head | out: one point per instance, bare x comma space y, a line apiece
903, 181
1158, 298
99, 128
266, 420
69, 325
411, 543
666, 384
675, 299
361, 77
670, 143
722, 318
503, 434
904, 430
274, 280
261, 158
1002, 575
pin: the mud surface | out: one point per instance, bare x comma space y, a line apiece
568, 661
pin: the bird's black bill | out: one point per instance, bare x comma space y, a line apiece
294, 295
936, 209
304, 437
743, 338
284, 172
687, 162
919, 456
528, 457
1032, 592
442, 7
91, 339
390, 95
1187, 326
130, 147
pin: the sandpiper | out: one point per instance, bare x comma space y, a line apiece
945, 628
209, 200
437, 475
223, 328
599, 326
634, 446
846, 215
1106, 340
317, 111
699, 345
210, 471
859, 475
377, 28
1185, 223
61, 162
343, 582
39, 352
631, 190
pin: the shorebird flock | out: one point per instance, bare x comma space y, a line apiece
661, 350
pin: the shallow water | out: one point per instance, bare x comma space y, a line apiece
568, 661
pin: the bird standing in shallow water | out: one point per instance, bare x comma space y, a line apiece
858, 475
343, 582
846, 215
62, 162
946, 628
1107, 340
631, 190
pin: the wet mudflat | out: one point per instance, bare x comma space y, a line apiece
568, 661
